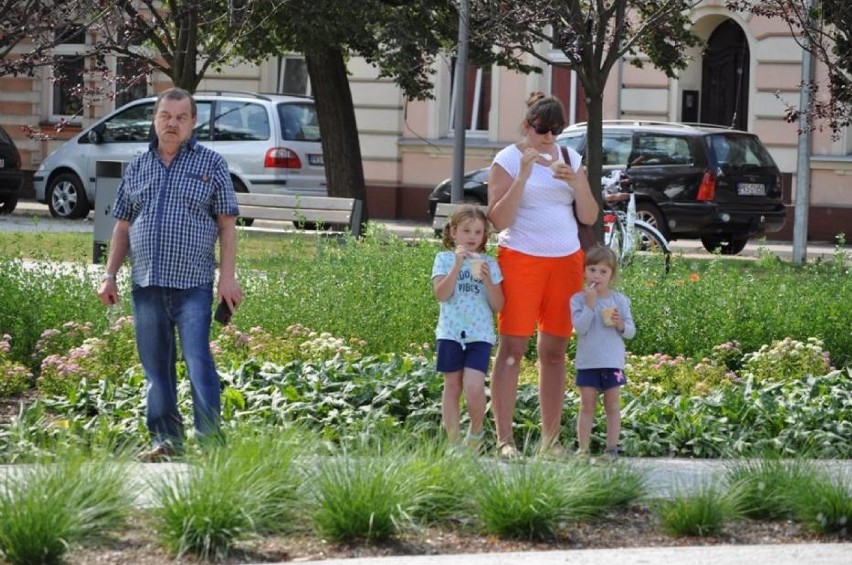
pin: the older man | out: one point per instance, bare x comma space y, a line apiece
172, 204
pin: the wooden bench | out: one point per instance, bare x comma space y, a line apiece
443, 212
338, 214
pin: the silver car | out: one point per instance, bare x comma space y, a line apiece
270, 141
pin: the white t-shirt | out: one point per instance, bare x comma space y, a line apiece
545, 225
466, 315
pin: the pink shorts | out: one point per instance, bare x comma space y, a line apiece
538, 291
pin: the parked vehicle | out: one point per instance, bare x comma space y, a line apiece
475, 190
10, 173
706, 182
270, 141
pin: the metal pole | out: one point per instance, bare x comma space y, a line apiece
803, 160
460, 82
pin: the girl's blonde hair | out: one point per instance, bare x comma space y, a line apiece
543, 110
465, 213
600, 254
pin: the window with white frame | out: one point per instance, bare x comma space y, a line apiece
66, 76
293, 75
477, 101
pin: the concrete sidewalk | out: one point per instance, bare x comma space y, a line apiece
803, 554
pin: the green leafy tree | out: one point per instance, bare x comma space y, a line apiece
823, 28
593, 35
184, 39
402, 39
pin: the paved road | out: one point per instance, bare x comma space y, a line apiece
32, 216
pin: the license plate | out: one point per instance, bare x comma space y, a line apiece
751, 189
316, 160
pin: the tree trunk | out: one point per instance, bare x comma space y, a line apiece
594, 147
340, 146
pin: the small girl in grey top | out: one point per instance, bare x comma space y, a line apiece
602, 320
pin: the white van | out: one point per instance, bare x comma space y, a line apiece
270, 141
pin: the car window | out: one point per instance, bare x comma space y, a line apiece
202, 123
237, 120
616, 148
653, 149
132, 125
573, 140
740, 151
299, 122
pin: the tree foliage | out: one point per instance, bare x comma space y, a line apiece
823, 28
31, 29
181, 38
593, 35
402, 39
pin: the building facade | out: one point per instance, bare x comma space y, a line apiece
745, 75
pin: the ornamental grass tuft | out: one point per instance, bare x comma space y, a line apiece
247, 487
703, 511
47, 507
358, 496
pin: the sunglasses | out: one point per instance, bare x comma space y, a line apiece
543, 130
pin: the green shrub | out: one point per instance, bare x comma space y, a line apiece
14, 377
787, 359
105, 358
678, 374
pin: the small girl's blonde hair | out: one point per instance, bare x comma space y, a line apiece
600, 254
465, 213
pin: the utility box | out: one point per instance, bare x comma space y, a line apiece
108, 176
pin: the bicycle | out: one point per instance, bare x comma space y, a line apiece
624, 233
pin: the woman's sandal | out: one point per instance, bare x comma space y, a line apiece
508, 451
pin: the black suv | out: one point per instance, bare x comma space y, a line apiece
10, 173
714, 184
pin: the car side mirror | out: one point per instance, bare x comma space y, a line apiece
95, 137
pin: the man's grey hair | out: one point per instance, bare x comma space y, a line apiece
176, 93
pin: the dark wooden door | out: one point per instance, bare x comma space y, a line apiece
725, 77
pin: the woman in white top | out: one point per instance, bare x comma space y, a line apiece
535, 200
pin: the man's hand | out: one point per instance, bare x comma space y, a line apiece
229, 291
108, 292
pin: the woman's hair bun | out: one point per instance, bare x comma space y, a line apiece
534, 97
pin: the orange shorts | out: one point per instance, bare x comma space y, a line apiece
538, 291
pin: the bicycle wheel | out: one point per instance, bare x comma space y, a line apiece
652, 247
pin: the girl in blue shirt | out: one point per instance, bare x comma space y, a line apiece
466, 281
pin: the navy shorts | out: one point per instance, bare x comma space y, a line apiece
601, 379
450, 357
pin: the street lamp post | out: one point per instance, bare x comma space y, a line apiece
459, 123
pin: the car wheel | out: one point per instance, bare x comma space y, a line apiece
727, 245
66, 197
240, 187
8, 203
651, 215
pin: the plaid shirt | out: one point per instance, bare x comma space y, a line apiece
172, 213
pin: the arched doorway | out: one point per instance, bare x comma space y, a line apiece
725, 77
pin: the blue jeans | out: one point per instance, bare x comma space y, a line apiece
156, 313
